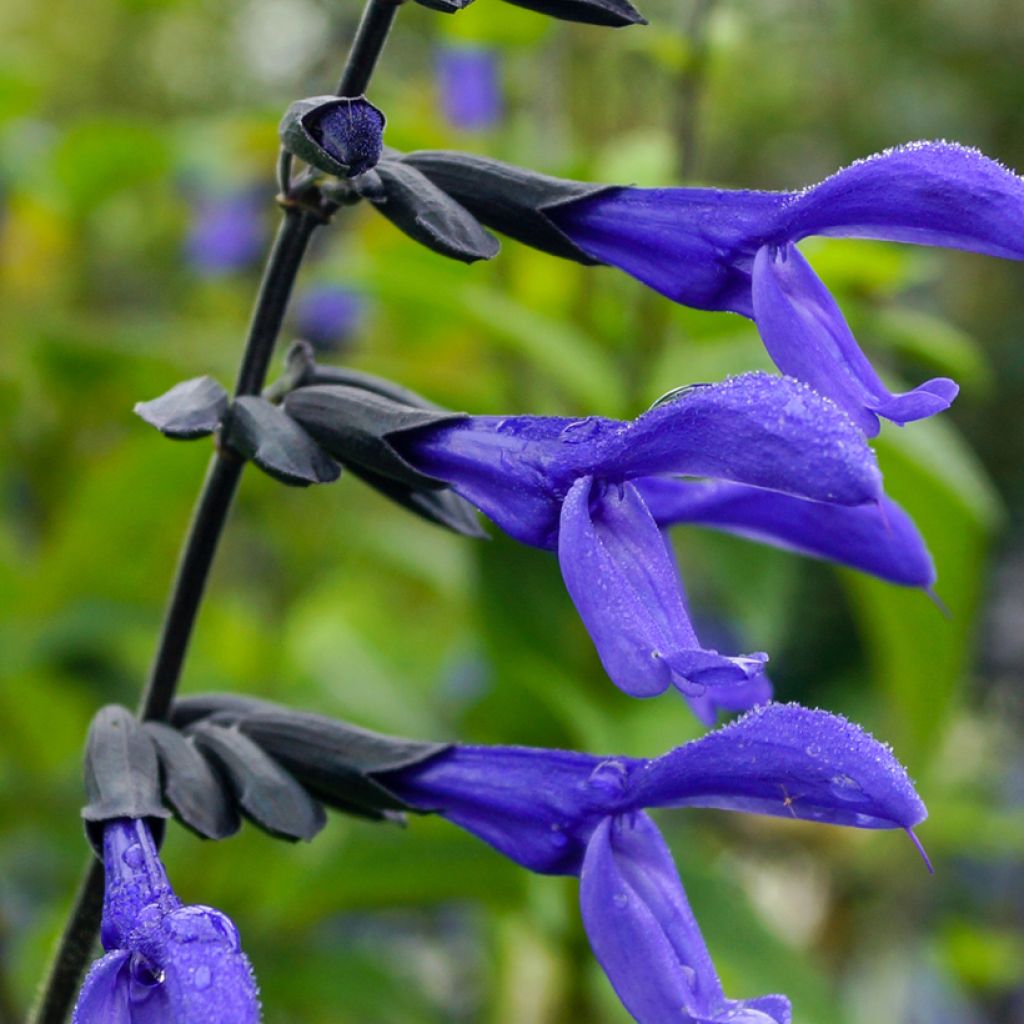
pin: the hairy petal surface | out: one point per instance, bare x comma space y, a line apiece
786, 760
645, 936
927, 193
624, 583
878, 539
807, 337
758, 429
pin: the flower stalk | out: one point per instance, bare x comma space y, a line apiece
299, 221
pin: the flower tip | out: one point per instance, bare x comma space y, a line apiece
919, 846
929, 590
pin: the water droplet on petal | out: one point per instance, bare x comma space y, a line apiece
580, 430
812, 750
202, 978
134, 856
621, 899
845, 788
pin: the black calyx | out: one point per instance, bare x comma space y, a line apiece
425, 212
263, 790
191, 409
335, 763
356, 427
608, 13
122, 773
507, 198
261, 432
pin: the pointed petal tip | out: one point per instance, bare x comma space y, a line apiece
919, 846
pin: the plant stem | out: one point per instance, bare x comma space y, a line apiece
301, 218
371, 35
208, 520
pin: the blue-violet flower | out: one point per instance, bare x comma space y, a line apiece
567, 813
799, 474
735, 250
166, 963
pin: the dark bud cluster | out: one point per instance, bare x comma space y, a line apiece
313, 423
223, 758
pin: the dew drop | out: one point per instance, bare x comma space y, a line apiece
580, 430
134, 856
202, 978
845, 788
812, 750
621, 899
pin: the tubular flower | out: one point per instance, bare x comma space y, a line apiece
565, 813
166, 963
736, 250
597, 491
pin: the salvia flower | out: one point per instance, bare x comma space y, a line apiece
227, 232
736, 250
328, 315
166, 963
560, 812
469, 82
799, 471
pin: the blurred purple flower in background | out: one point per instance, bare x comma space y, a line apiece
328, 315
468, 78
166, 963
566, 813
228, 233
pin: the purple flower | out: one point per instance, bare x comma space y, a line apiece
166, 963
558, 812
800, 472
227, 233
328, 315
735, 250
470, 87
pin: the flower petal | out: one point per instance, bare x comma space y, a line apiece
786, 760
879, 539
693, 245
807, 337
104, 996
537, 807
928, 193
645, 936
624, 583
514, 469
758, 429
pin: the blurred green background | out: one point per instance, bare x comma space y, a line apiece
122, 121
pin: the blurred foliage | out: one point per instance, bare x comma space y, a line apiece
117, 115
